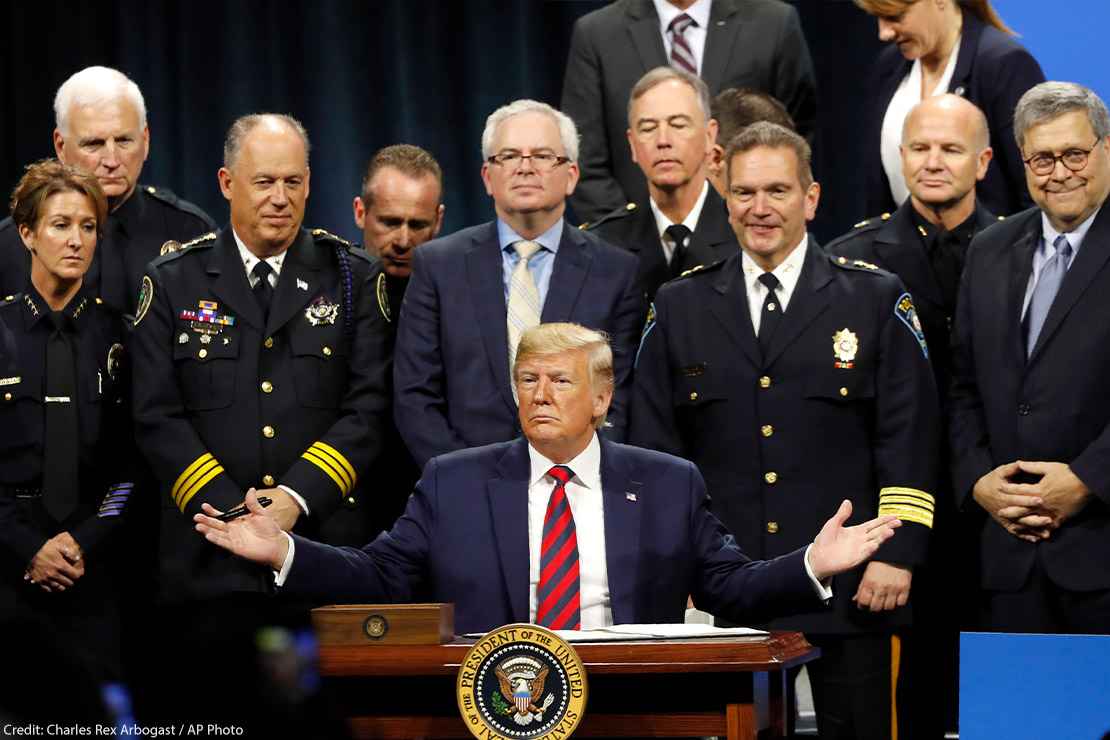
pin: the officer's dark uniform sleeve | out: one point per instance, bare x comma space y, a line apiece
17, 534
163, 432
419, 377
907, 429
598, 191
652, 422
626, 328
118, 456
328, 470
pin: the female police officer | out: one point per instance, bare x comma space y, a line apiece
64, 450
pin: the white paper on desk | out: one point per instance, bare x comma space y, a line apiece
657, 632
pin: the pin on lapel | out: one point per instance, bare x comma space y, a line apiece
633, 490
302, 284
629, 496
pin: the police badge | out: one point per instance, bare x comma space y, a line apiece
115, 357
521, 681
845, 347
321, 311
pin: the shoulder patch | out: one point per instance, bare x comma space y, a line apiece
383, 297
619, 213
907, 314
648, 326
146, 295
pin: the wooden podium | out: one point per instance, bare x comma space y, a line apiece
686, 688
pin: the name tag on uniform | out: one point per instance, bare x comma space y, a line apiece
693, 371
15, 380
56, 399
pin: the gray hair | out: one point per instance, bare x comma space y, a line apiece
659, 75
568, 132
1050, 100
96, 86
772, 136
243, 125
557, 338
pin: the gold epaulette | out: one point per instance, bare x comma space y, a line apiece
325, 234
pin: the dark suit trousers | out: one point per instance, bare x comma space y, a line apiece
1042, 606
851, 686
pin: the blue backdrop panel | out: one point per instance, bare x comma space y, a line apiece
1069, 42
1034, 686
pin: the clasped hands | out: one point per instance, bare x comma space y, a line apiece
57, 565
1031, 511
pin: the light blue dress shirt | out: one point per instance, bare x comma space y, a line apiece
540, 265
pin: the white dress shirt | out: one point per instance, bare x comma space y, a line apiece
788, 273
690, 222
1045, 251
906, 97
276, 261
695, 34
585, 500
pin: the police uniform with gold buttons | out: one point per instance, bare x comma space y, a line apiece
152, 221
843, 405
229, 399
84, 618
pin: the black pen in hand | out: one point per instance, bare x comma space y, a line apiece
242, 510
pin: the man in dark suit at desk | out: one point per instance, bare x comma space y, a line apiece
1030, 415
683, 222
473, 293
560, 527
728, 43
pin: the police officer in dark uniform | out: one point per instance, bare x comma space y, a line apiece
795, 380
400, 208
65, 450
261, 363
945, 152
683, 223
102, 129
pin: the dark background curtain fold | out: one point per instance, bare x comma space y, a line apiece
359, 75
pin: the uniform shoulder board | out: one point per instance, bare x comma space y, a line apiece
203, 239
862, 223
323, 235
699, 269
170, 198
10, 299
851, 264
619, 213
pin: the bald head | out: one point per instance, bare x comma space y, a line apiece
961, 110
945, 152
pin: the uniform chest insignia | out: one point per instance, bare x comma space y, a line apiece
321, 311
182, 338
845, 347
205, 338
115, 359
693, 371
170, 247
146, 295
302, 285
206, 319
382, 292
907, 314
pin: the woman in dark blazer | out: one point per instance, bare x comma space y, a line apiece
990, 69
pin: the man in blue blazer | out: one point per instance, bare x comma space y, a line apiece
487, 528
471, 297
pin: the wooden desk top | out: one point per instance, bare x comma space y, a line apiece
778, 651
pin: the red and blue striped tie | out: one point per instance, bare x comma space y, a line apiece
557, 596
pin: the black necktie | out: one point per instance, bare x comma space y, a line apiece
60, 445
772, 311
947, 260
263, 291
678, 234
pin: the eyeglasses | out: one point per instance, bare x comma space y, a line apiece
1043, 163
542, 161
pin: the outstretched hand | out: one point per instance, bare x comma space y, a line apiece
256, 536
839, 548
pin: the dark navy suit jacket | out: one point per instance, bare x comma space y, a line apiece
464, 539
993, 71
1053, 406
451, 371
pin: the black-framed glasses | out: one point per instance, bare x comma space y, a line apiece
1075, 159
542, 161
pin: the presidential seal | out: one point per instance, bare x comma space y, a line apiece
521, 681
845, 347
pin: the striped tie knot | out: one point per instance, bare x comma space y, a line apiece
526, 249
680, 23
561, 473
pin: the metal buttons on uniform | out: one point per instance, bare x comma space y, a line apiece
693, 395
1023, 409
772, 527
202, 354
267, 386
771, 477
765, 382
7, 396
327, 351
351, 500
767, 430
268, 480
268, 343
268, 432
843, 391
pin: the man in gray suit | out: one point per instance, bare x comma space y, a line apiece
728, 43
